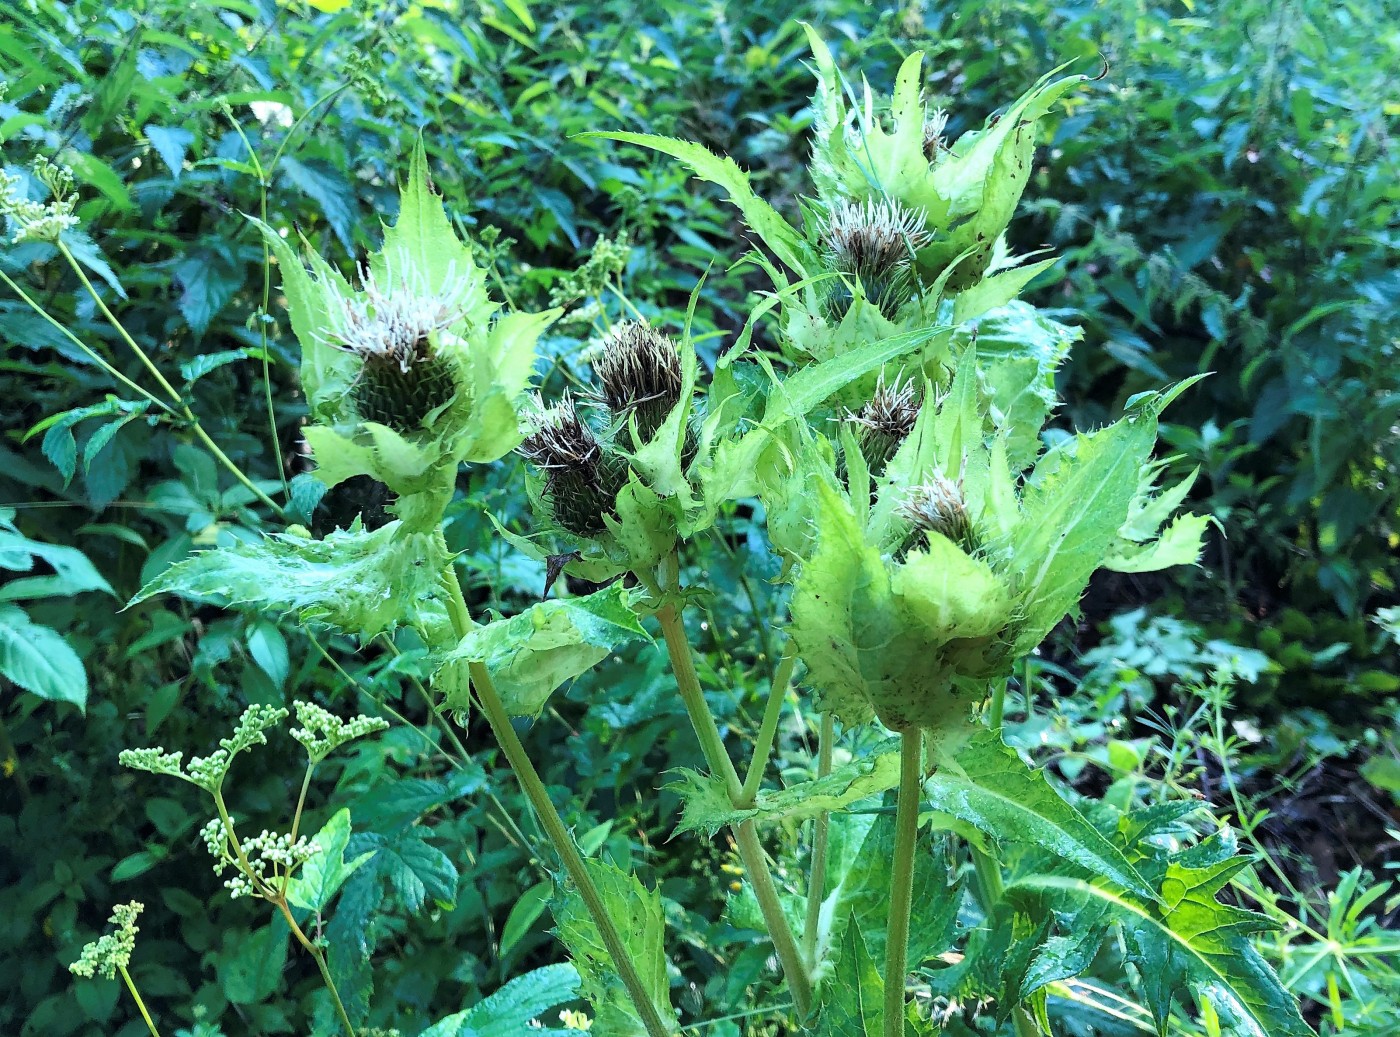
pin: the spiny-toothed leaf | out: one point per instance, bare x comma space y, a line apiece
1076, 501
1019, 350
531, 654
762, 218
1195, 948
636, 911
996, 290
1179, 544
853, 1001
986, 785
706, 807
515, 1009
863, 896
356, 582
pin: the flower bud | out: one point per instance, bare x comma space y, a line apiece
939, 506
885, 422
639, 374
582, 477
404, 381
874, 242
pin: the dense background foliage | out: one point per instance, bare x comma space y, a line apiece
1224, 200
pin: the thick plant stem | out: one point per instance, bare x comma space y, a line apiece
816, 884
906, 830
533, 786
746, 834
141, 1005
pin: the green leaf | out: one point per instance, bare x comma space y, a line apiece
526, 909
72, 572
1195, 946
418, 871
636, 911
39, 660
705, 804
986, 785
761, 217
357, 582
251, 966
172, 144
326, 186
531, 654
511, 1010
321, 876
1076, 500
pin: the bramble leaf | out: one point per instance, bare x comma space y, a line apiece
39, 660
513, 1010
321, 876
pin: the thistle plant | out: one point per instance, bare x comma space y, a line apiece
931, 538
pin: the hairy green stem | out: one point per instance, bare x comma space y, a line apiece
906, 830
533, 786
141, 1005
772, 713
816, 883
746, 834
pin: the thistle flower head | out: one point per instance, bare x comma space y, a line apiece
939, 506
105, 955
639, 373
582, 478
873, 241
886, 421
391, 325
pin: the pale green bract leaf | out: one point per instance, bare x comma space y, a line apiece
986, 785
353, 581
39, 660
514, 1009
705, 804
531, 654
637, 913
321, 875
1179, 544
761, 217
1019, 350
1076, 501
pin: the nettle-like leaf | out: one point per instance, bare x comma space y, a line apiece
516, 1008
534, 652
353, 581
637, 913
985, 784
706, 806
39, 660
320, 877
1019, 350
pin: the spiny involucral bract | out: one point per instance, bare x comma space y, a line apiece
873, 242
582, 476
885, 421
639, 375
394, 329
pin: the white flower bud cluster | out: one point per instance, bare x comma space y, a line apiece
105, 955
156, 761
322, 732
269, 856
39, 221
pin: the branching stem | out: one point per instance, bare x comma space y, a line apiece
534, 788
816, 884
745, 835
